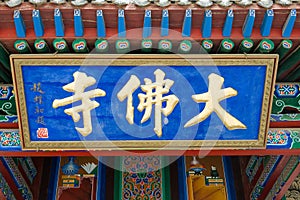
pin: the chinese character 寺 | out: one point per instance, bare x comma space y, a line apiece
154, 95
212, 98
81, 82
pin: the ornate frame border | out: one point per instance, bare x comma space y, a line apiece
269, 60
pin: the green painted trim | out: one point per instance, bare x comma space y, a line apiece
165, 177
4, 58
117, 180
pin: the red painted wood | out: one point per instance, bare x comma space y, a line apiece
288, 183
278, 170
232, 152
9, 126
289, 124
10, 181
1, 195
134, 15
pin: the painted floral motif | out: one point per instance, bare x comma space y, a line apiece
141, 178
287, 90
4, 187
286, 99
277, 137
10, 138
143, 186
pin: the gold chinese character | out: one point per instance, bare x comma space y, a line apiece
40, 120
38, 99
37, 88
154, 95
39, 110
212, 98
80, 83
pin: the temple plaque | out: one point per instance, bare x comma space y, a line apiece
143, 102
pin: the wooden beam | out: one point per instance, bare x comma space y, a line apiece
278, 170
9, 179
225, 152
288, 183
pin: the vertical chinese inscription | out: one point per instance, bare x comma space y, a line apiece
78, 86
38, 99
154, 92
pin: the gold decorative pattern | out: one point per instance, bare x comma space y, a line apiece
124, 60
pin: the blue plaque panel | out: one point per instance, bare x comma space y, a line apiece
144, 101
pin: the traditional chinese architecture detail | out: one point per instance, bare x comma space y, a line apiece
142, 178
295, 135
281, 180
4, 187
285, 117
283, 139
286, 99
252, 166
81, 82
271, 163
9, 138
154, 95
287, 90
277, 137
18, 178
8, 110
212, 98
28, 167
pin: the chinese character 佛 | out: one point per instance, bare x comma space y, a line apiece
154, 95
81, 82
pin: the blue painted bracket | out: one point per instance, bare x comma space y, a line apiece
207, 24
164, 23
58, 23
101, 32
182, 179
37, 23
187, 23
121, 23
78, 24
228, 23
101, 180
19, 24
249, 23
147, 29
289, 24
265, 28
